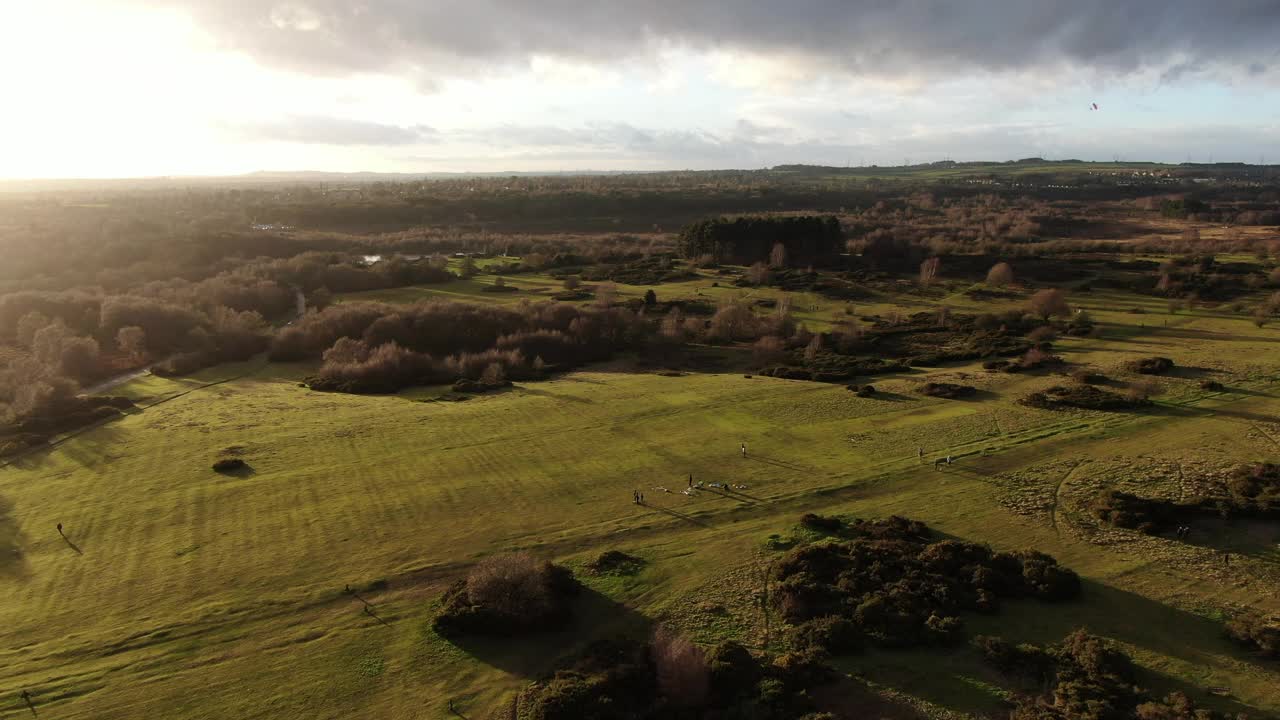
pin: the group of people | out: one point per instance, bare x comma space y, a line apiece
1183, 531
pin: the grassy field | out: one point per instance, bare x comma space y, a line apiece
181, 593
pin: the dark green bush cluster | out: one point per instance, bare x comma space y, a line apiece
951, 391
615, 562
808, 239
228, 465
1252, 491
1255, 489
833, 368
1081, 397
1151, 516
671, 678
1082, 678
507, 595
1150, 366
898, 587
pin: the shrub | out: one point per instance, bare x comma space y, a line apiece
899, 589
1150, 366
830, 634
615, 562
508, 594
1086, 376
822, 523
229, 465
1083, 397
1212, 386
948, 390
1256, 633
732, 672
866, 391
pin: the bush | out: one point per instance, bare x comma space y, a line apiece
615, 562
901, 590
229, 465
1150, 366
1256, 633
1086, 376
831, 634
951, 391
866, 391
508, 594
1082, 397
822, 523
1212, 386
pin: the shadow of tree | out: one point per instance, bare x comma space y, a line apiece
13, 562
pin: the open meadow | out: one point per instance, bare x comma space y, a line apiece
178, 592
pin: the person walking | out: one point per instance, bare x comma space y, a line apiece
948, 460
59, 528
744, 449
920, 453
690, 479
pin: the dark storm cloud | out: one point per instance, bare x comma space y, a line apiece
318, 130
443, 38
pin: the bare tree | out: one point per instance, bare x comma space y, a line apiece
132, 340
1000, 275
769, 349
778, 256
813, 348
1048, 303
758, 274
929, 271
681, 669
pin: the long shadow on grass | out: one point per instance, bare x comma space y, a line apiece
676, 514
1193, 411
595, 616
776, 463
1120, 615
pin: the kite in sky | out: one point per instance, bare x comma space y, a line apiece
1095, 106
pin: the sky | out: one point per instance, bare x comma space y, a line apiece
144, 88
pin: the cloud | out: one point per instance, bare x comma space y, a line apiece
866, 37
321, 130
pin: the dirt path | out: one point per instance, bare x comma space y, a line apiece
1057, 491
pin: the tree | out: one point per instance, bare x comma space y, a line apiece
650, 298
758, 274
672, 327
498, 282
132, 340
1000, 275
606, 293
778, 256
78, 358
769, 349
29, 325
813, 348
1048, 303
572, 283
468, 268
681, 669
494, 375
929, 271
539, 365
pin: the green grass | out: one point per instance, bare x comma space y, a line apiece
203, 596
